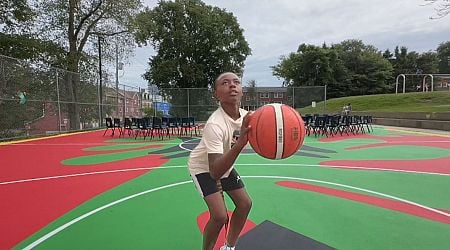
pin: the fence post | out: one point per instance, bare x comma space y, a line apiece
140, 103
124, 101
293, 97
58, 99
187, 102
100, 122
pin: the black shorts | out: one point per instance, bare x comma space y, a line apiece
206, 185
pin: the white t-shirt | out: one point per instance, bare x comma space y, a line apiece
219, 133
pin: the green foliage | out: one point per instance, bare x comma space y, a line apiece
14, 11
349, 68
443, 57
76, 25
367, 69
32, 49
353, 68
194, 43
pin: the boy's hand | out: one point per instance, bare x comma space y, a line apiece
243, 136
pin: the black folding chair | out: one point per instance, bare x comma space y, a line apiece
143, 127
109, 125
159, 128
174, 125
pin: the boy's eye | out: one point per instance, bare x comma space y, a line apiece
226, 82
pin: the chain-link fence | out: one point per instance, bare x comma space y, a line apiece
37, 100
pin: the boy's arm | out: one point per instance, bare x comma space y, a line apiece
220, 163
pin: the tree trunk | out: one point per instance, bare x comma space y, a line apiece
72, 87
72, 66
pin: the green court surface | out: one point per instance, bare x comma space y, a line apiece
387, 189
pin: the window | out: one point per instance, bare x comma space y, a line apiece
278, 95
247, 98
264, 95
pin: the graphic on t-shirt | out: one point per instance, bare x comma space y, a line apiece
236, 135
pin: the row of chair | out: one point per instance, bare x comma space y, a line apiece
153, 126
324, 124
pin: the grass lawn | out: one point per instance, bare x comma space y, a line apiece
408, 102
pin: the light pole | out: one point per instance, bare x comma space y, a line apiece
100, 90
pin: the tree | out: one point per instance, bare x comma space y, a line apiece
252, 93
28, 48
442, 9
76, 26
443, 55
369, 72
388, 55
194, 43
313, 66
14, 11
427, 63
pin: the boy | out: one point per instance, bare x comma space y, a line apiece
211, 162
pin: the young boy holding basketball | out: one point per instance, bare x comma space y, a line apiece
211, 162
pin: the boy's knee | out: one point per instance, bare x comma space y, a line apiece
220, 219
245, 205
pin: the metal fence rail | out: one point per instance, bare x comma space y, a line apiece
38, 100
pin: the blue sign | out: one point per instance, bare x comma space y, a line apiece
164, 107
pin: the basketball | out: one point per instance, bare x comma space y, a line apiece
277, 131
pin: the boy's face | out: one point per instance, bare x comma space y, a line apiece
228, 88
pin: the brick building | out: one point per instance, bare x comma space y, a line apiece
260, 96
49, 122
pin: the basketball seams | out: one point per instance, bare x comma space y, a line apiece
277, 131
272, 110
256, 131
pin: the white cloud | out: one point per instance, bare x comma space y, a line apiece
276, 28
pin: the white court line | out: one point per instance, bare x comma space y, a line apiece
109, 144
145, 144
423, 132
180, 144
70, 223
342, 166
84, 174
241, 164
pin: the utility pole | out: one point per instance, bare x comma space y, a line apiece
117, 81
100, 79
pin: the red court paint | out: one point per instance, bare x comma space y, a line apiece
370, 200
428, 141
438, 166
29, 206
203, 218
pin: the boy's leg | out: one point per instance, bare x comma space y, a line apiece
243, 205
217, 219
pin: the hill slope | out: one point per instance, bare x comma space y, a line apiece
408, 102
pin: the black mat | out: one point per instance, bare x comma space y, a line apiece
269, 235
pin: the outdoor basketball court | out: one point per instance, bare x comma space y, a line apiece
389, 189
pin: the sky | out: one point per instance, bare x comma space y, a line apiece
275, 28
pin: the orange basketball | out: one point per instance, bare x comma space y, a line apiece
277, 131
